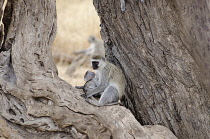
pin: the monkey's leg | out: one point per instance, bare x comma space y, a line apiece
61, 60
114, 103
109, 97
93, 102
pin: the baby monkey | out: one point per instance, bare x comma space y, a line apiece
91, 82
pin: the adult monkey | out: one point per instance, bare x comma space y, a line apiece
96, 47
111, 82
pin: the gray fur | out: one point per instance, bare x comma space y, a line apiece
109, 97
111, 85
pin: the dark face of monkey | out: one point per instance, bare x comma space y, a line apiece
95, 65
91, 39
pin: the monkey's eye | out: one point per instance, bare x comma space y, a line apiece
95, 62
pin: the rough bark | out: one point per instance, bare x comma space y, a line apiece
2, 5
163, 47
34, 101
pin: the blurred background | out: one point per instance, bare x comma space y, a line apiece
76, 21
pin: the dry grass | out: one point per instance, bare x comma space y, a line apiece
76, 79
77, 20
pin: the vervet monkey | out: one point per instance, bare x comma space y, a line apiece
91, 82
96, 47
111, 82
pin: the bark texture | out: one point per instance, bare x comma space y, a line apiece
163, 47
34, 101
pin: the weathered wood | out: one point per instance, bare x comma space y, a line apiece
163, 47
2, 6
36, 103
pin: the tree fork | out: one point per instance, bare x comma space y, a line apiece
35, 102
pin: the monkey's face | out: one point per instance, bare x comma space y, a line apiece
91, 39
95, 65
98, 62
89, 75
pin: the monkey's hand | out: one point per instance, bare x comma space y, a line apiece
79, 87
93, 102
84, 96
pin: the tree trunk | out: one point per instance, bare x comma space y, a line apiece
163, 47
34, 101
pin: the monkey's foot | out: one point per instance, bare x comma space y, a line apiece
93, 102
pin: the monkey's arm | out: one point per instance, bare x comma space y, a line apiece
96, 90
80, 51
86, 51
101, 87
79, 87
